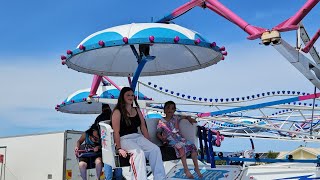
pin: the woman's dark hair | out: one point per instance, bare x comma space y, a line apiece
106, 111
168, 103
105, 108
121, 105
92, 128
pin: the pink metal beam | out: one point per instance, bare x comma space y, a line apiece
95, 84
216, 10
111, 82
181, 10
292, 23
307, 48
253, 31
186, 7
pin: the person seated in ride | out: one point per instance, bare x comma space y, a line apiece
89, 151
104, 116
168, 133
125, 122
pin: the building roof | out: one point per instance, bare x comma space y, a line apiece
314, 151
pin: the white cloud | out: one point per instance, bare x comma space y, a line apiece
31, 89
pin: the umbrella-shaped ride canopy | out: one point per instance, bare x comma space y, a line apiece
117, 51
76, 103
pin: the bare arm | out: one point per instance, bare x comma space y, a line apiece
143, 127
79, 142
116, 116
189, 118
160, 134
162, 137
81, 139
176, 125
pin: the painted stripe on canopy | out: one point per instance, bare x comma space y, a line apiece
110, 36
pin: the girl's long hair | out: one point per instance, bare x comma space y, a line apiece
121, 105
92, 128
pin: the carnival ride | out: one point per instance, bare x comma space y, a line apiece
287, 118
114, 44
163, 48
290, 120
276, 126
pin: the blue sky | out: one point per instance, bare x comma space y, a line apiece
35, 33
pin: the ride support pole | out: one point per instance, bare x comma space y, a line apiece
212, 161
200, 142
204, 135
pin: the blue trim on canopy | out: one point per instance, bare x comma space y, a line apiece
196, 36
112, 93
78, 96
133, 41
159, 32
108, 94
110, 36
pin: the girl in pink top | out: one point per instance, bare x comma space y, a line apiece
168, 132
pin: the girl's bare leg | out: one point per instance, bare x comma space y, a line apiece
83, 170
184, 163
194, 157
98, 163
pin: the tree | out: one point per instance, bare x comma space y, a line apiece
272, 155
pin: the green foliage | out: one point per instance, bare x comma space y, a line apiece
221, 162
272, 155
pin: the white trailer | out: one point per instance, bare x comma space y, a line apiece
48, 156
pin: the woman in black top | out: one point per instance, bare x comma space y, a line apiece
125, 122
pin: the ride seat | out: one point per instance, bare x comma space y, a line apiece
91, 157
187, 130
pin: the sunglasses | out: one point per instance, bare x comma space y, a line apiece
95, 138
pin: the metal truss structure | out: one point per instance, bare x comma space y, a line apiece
296, 122
285, 119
